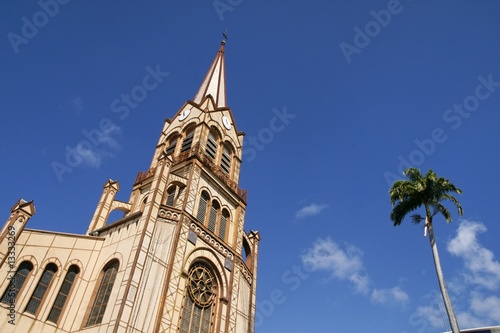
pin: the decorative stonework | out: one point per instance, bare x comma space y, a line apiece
141, 176
241, 232
195, 180
171, 311
202, 286
246, 273
234, 304
167, 259
210, 240
168, 216
198, 152
177, 178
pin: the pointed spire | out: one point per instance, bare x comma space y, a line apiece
214, 83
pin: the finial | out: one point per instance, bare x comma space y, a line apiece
224, 34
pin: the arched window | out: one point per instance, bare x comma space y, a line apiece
16, 283
223, 223
211, 149
225, 161
171, 195
188, 140
101, 298
199, 300
41, 288
63, 294
209, 213
246, 253
214, 216
143, 204
172, 143
202, 207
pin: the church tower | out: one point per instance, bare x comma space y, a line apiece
178, 261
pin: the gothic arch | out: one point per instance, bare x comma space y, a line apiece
31, 259
214, 127
64, 290
75, 262
191, 125
171, 142
143, 198
106, 282
55, 261
115, 256
173, 193
209, 256
173, 134
247, 253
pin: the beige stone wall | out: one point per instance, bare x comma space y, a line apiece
89, 253
146, 297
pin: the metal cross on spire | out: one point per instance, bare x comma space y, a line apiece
224, 34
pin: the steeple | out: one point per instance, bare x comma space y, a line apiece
214, 83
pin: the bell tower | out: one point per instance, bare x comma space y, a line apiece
193, 258
179, 261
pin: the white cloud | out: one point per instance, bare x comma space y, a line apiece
393, 295
107, 136
472, 299
483, 311
481, 267
431, 315
469, 320
342, 263
89, 155
312, 209
100, 144
486, 306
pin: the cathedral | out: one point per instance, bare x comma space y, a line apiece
178, 261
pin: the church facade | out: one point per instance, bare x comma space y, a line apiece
178, 261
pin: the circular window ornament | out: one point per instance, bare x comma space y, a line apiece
202, 286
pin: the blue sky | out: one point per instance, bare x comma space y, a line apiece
359, 90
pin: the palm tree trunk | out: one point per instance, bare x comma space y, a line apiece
442, 285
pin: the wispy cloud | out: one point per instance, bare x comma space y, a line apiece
312, 209
432, 315
486, 306
394, 295
481, 267
473, 303
77, 104
92, 154
483, 310
482, 276
343, 263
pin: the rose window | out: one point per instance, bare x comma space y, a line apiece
202, 286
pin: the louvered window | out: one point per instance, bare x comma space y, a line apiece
41, 289
214, 211
223, 223
16, 283
101, 299
211, 149
63, 294
225, 162
202, 207
171, 148
188, 140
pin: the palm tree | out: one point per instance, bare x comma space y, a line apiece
427, 191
